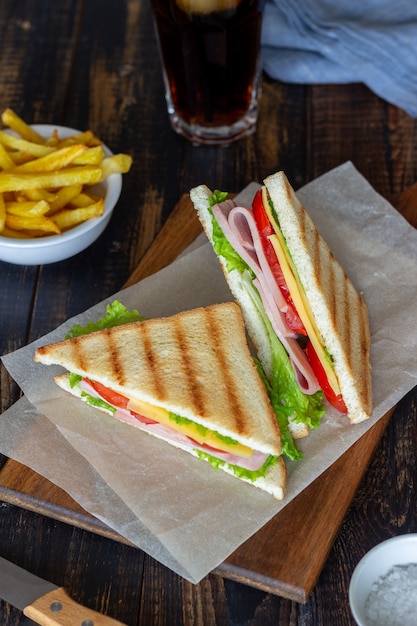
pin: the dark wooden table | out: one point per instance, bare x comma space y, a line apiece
93, 64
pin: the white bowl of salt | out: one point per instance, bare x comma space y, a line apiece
383, 587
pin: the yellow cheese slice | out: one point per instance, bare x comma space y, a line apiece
299, 298
191, 429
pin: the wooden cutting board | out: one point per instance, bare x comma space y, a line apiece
284, 557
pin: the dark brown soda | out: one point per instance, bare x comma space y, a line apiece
210, 60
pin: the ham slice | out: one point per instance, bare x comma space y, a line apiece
240, 229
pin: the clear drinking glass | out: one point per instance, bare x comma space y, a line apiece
210, 55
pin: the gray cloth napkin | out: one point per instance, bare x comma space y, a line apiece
331, 41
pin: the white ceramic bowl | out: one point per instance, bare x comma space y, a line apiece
55, 248
401, 550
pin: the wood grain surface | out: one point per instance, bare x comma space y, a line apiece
94, 64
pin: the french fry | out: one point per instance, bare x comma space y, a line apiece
35, 223
15, 234
87, 174
116, 164
19, 156
83, 199
54, 139
88, 138
27, 147
11, 119
36, 194
29, 209
92, 156
64, 196
67, 218
6, 161
54, 161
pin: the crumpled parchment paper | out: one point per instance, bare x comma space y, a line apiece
173, 506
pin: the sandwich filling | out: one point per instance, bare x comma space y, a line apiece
218, 449
315, 351
256, 237
239, 226
296, 366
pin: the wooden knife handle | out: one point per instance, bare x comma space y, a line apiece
56, 608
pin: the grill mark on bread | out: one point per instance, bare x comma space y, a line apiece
113, 354
189, 372
197, 396
233, 399
76, 347
110, 352
152, 360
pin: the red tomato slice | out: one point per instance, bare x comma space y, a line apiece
335, 400
112, 397
260, 215
265, 230
117, 400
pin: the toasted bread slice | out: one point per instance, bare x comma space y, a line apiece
339, 311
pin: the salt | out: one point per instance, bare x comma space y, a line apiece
393, 599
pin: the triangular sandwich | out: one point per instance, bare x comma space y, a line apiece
294, 296
188, 379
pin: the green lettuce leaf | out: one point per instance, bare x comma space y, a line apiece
240, 472
116, 315
74, 381
217, 197
220, 244
202, 430
98, 402
287, 399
